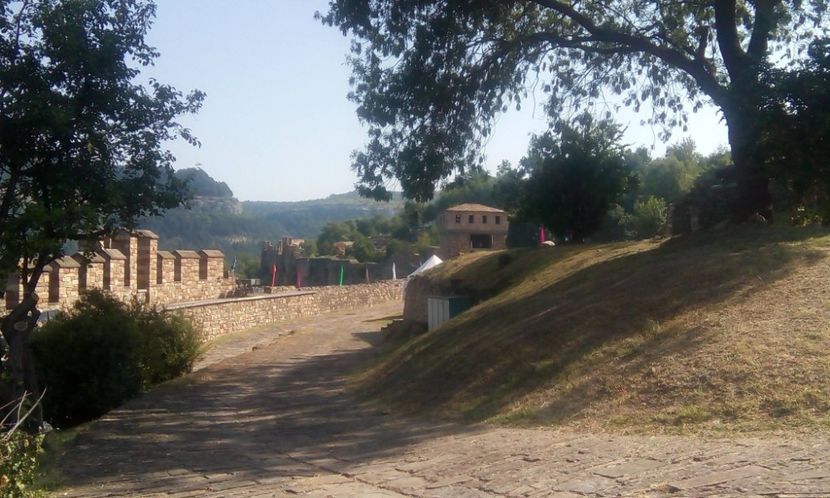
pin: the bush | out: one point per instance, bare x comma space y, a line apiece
650, 216
18, 463
103, 352
170, 345
18, 450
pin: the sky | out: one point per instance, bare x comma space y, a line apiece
276, 124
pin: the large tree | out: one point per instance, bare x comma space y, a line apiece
430, 75
575, 176
81, 140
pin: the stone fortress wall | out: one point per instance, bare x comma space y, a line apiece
225, 316
130, 266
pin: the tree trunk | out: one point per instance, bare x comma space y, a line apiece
752, 195
17, 329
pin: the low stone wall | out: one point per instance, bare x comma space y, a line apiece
415, 299
218, 317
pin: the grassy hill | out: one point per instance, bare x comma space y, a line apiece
719, 331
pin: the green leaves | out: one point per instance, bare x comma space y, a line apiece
429, 77
575, 176
81, 142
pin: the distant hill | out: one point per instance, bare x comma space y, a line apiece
217, 220
202, 184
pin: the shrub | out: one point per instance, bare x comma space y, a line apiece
103, 352
18, 450
170, 345
650, 216
18, 463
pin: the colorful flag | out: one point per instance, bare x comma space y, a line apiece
341, 275
233, 265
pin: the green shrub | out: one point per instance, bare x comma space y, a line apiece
18, 463
170, 345
650, 216
103, 352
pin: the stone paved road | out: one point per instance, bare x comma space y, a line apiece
276, 421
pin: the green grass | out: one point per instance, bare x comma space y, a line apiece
49, 477
632, 336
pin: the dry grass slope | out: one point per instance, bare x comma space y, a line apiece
716, 332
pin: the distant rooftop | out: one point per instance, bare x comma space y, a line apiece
479, 208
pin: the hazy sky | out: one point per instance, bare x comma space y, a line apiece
276, 124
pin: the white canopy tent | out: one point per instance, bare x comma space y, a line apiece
432, 262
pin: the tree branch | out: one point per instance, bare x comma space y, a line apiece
699, 70
763, 26
726, 28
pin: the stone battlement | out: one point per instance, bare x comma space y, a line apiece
130, 266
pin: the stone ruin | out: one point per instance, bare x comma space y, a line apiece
130, 266
294, 267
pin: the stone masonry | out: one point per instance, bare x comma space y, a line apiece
187, 266
470, 227
148, 244
127, 244
91, 271
64, 281
129, 266
220, 317
166, 268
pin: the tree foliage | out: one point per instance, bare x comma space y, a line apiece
103, 352
799, 131
430, 76
81, 140
575, 177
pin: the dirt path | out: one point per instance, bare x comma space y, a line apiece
276, 421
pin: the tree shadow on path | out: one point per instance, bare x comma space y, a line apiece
278, 412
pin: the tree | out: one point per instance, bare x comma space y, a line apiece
430, 75
81, 142
672, 176
575, 178
798, 133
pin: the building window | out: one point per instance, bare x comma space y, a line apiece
458, 218
498, 220
471, 219
484, 219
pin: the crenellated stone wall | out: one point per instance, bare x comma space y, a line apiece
64, 281
224, 316
91, 271
148, 245
129, 266
166, 267
186, 266
14, 289
127, 244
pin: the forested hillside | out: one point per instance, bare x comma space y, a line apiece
217, 220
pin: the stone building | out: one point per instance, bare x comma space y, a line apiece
470, 227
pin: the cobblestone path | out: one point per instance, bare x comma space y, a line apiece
276, 421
